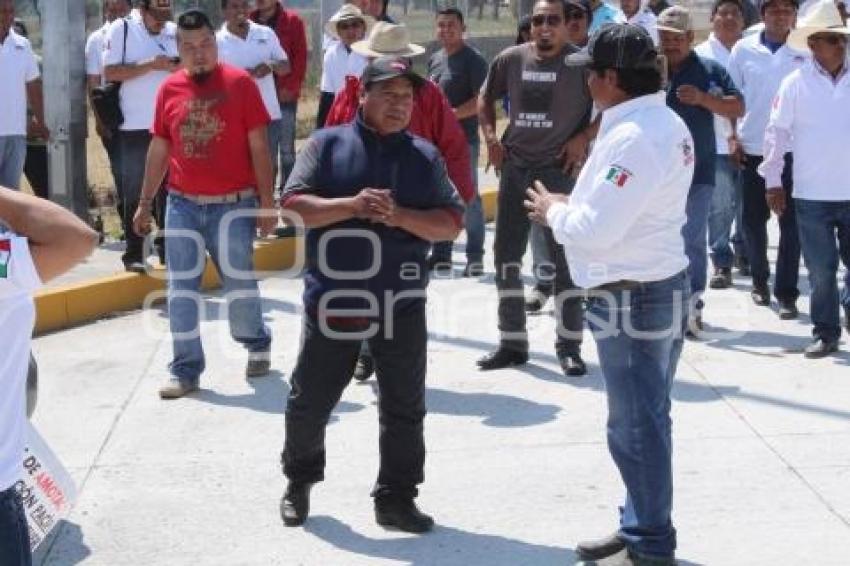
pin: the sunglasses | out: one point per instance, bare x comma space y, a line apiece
551, 20
342, 26
830, 39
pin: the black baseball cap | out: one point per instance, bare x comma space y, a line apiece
617, 46
386, 68
194, 19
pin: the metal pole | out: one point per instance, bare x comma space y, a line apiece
64, 33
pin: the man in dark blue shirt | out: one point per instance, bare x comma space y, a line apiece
373, 197
697, 89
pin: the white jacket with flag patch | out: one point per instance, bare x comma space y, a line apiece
626, 212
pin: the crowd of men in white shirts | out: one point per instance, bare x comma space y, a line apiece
136, 47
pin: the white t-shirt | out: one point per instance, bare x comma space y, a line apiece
757, 73
138, 95
94, 52
625, 215
18, 280
261, 45
339, 62
18, 66
712, 49
810, 118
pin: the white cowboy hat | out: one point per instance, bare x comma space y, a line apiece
821, 17
346, 13
387, 39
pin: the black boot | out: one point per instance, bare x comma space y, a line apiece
295, 504
502, 358
599, 549
402, 514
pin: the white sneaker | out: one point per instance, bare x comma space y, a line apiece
173, 388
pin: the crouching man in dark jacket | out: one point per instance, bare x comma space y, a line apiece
373, 197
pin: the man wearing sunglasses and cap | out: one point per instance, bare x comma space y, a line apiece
621, 231
810, 117
374, 197
549, 113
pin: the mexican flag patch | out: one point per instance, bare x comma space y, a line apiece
618, 175
5, 255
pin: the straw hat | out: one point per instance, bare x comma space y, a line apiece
387, 39
347, 12
821, 17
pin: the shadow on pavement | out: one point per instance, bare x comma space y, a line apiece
445, 546
65, 547
495, 410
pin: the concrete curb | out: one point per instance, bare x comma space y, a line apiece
69, 305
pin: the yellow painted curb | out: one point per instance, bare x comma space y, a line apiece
69, 305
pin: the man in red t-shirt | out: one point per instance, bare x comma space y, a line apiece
209, 133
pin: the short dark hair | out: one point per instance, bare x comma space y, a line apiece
451, 11
762, 4
194, 19
524, 26
718, 3
635, 82
562, 3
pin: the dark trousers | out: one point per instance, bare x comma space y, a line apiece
322, 371
512, 228
755, 215
14, 533
35, 169
133, 151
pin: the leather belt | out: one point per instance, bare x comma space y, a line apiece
235, 196
615, 286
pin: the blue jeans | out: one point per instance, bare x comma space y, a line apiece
185, 259
289, 112
473, 220
694, 233
13, 153
274, 131
14, 533
725, 208
821, 225
639, 336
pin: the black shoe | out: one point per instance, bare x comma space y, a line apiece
365, 368
502, 358
788, 310
295, 504
537, 299
761, 295
572, 364
820, 348
722, 278
403, 515
134, 267
439, 263
473, 269
600, 549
